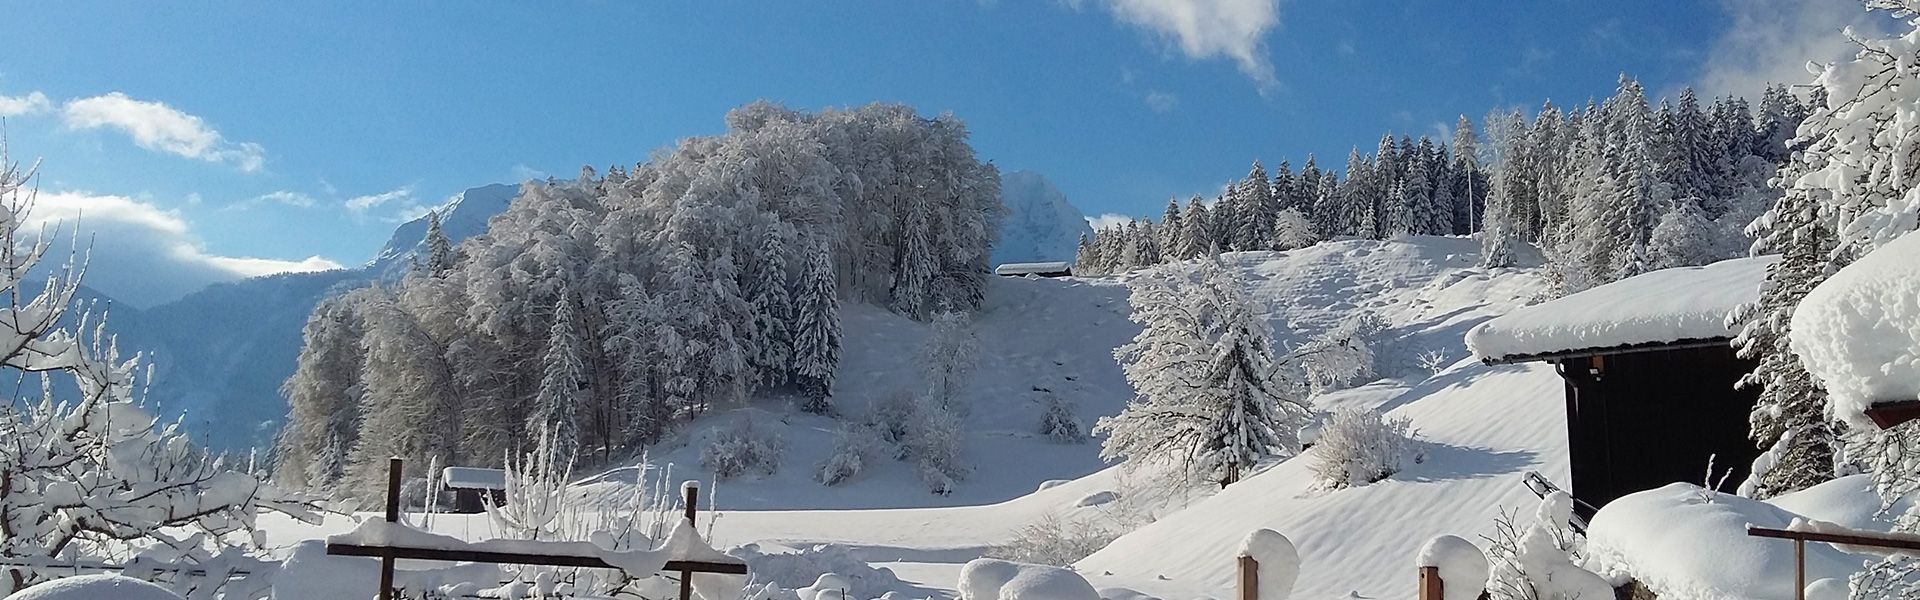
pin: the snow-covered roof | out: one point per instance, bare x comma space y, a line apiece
1859, 331
1658, 308
1032, 268
475, 478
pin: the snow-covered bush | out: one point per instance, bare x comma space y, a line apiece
854, 447
949, 356
535, 504
742, 449
1055, 540
994, 579
895, 414
936, 447
803, 567
1541, 561
86, 469
1059, 424
1361, 446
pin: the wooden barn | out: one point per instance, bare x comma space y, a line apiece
1037, 269
1650, 375
473, 487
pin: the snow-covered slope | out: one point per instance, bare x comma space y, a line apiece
1040, 224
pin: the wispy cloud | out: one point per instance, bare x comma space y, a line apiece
162, 128
1771, 41
145, 255
1162, 102
32, 102
280, 197
1109, 219
361, 205
1205, 29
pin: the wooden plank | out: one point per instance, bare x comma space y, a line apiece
692, 490
393, 516
1837, 538
1431, 587
1249, 578
519, 558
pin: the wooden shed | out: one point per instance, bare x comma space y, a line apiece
473, 487
1038, 269
1650, 375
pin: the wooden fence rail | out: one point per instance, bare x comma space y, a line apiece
1800, 539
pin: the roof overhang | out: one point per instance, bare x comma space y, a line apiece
1887, 415
1610, 351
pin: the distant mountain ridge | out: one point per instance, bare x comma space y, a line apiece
1040, 225
466, 216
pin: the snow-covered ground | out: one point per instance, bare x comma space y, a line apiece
1487, 426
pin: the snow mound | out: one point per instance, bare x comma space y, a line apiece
1859, 331
1669, 305
95, 587
1683, 546
993, 579
1849, 501
1460, 562
812, 565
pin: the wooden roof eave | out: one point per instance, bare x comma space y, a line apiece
1558, 356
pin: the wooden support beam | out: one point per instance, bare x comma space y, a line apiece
1431, 587
393, 516
1878, 541
518, 558
1249, 578
692, 490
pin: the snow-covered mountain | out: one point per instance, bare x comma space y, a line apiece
221, 353
466, 216
1040, 224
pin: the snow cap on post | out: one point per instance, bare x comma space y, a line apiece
1859, 332
1278, 559
1462, 565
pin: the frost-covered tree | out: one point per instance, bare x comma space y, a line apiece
1682, 237
949, 357
1342, 356
816, 337
1360, 446
916, 266
85, 466
1059, 423
1210, 395
438, 258
772, 303
1292, 231
323, 396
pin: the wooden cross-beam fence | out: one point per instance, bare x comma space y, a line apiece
1800, 539
387, 554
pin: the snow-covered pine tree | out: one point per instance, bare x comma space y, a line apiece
1398, 222
916, 266
1172, 232
634, 319
1252, 412
1469, 191
816, 345
1789, 421
1196, 225
556, 406
438, 258
1255, 209
1058, 422
772, 305
1146, 245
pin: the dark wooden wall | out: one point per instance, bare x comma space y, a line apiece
1642, 420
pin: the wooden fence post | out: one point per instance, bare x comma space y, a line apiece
393, 516
1431, 587
1249, 578
692, 491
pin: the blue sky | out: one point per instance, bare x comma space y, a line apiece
215, 140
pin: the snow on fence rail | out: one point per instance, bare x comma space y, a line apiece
683, 551
1802, 532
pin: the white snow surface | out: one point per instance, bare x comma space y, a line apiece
474, 478
1669, 305
1686, 544
105, 586
1488, 426
1460, 562
994, 579
1859, 331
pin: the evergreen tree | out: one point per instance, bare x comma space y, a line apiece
1198, 231
772, 305
916, 266
556, 406
816, 347
1469, 190
439, 258
1256, 209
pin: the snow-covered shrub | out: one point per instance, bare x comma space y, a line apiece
895, 415
994, 579
1343, 355
804, 567
1055, 540
854, 447
87, 469
1541, 561
742, 449
936, 448
1058, 422
535, 502
949, 356
1361, 446
1434, 361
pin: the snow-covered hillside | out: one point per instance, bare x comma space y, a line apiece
1040, 224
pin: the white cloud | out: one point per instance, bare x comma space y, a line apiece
14, 106
361, 205
1162, 102
281, 197
1771, 41
1203, 29
158, 127
141, 254
1108, 220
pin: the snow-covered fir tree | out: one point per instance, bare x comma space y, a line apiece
556, 406
816, 338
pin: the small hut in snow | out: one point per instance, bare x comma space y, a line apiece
1650, 373
473, 487
1038, 269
